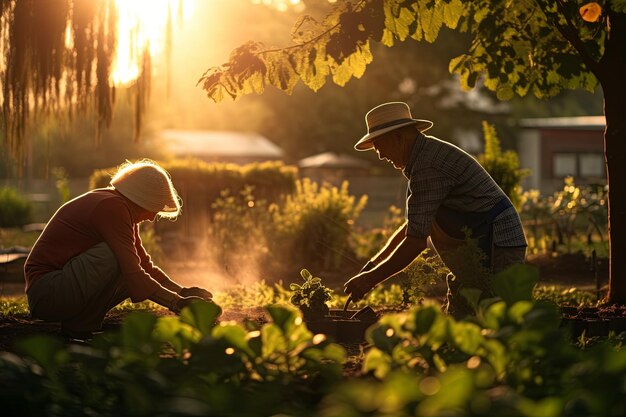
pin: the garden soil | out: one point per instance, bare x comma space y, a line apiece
566, 270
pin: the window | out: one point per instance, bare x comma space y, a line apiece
592, 165
581, 165
564, 164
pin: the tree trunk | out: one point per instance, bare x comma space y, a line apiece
613, 67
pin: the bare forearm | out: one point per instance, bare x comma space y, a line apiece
408, 249
392, 243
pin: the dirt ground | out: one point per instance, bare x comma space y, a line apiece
564, 270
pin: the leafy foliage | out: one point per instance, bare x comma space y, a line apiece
426, 270
311, 297
512, 358
575, 213
239, 229
313, 225
502, 166
15, 210
174, 365
517, 47
492, 364
571, 296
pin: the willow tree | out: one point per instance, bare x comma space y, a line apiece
57, 58
518, 47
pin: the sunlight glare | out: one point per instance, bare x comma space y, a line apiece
141, 24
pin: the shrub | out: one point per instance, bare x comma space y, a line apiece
15, 210
237, 232
502, 166
569, 217
200, 184
368, 243
314, 224
426, 270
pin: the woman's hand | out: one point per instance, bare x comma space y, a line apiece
196, 292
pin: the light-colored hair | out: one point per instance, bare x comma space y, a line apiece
149, 186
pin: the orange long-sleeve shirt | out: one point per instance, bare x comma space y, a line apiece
101, 215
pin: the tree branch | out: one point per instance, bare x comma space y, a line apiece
314, 39
570, 33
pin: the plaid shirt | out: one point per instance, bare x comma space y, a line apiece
441, 174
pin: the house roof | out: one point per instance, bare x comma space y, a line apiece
220, 143
332, 160
581, 122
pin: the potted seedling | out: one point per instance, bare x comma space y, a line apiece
311, 297
345, 325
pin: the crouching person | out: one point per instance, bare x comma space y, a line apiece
89, 257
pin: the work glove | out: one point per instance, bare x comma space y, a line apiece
184, 302
196, 292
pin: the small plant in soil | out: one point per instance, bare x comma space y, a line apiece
311, 297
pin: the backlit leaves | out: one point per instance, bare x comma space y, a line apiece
517, 47
338, 46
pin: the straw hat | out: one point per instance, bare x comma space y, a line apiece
149, 186
385, 118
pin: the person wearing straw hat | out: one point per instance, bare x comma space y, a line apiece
449, 194
90, 257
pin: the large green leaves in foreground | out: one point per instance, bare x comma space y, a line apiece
512, 359
186, 365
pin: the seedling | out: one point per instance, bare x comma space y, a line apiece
311, 297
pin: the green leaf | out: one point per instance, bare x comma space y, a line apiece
424, 319
618, 6
383, 336
282, 316
273, 340
137, 329
452, 12
234, 335
431, 21
518, 310
495, 355
377, 362
466, 336
516, 283
47, 351
201, 315
171, 330
306, 275
472, 295
335, 353
494, 315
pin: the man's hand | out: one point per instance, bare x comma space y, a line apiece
196, 292
358, 286
184, 302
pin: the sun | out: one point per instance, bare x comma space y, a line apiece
143, 24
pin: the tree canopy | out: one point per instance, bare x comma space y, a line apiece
515, 46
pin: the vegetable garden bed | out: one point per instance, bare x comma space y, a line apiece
594, 321
342, 326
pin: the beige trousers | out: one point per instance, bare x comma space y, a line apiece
80, 294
